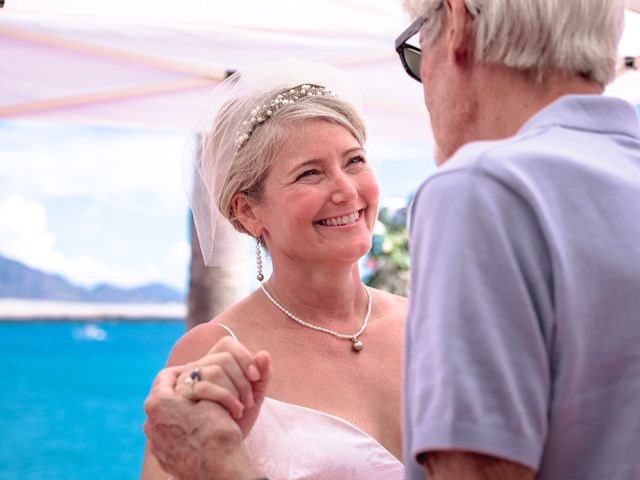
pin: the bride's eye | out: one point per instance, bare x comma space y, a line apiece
306, 173
357, 159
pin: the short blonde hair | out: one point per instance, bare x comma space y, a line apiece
253, 161
577, 36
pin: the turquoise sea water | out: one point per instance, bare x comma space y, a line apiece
71, 397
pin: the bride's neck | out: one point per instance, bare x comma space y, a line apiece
332, 293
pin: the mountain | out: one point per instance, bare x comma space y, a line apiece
151, 293
20, 281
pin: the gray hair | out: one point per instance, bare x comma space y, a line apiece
253, 161
538, 36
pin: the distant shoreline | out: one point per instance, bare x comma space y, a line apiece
22, 310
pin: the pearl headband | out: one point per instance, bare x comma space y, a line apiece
262, 113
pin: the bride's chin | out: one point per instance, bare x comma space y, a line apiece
353, 254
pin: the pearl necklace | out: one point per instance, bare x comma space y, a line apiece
357, 344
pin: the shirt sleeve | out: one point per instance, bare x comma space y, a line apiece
479, 328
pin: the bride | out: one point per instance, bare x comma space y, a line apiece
285, 163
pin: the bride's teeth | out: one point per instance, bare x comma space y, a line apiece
344, 220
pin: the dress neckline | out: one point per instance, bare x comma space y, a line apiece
337, 419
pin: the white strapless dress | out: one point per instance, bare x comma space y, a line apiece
290, 442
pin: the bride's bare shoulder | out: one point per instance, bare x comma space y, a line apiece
392, 305
197, 341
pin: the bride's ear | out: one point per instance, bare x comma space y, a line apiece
246, 213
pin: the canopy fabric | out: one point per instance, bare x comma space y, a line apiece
152, 63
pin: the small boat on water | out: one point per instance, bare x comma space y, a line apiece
89, 332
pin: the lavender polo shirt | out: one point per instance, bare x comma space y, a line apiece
523, 337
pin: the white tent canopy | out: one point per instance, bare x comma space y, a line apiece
151, 63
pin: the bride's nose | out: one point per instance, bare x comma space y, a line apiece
343, 188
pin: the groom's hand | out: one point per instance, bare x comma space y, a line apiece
193, 440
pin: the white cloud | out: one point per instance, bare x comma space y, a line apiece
630, 41
96, 205
21, 215
181, 252
23, 229
46, 161
25, 236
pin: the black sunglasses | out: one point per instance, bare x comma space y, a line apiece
409, 54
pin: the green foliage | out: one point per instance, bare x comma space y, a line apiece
389, 256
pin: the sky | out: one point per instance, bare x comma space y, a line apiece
94, 204
106, 205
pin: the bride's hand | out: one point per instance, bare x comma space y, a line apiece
231, 376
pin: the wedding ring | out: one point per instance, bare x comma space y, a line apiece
193, 378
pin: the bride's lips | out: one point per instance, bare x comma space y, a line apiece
341, 220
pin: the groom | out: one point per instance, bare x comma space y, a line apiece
522, 339
521, 348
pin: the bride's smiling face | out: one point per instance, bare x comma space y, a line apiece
320, 197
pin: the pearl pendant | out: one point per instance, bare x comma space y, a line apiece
357, 345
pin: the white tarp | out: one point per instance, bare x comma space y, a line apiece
151, 63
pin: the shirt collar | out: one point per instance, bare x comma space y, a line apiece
587, 112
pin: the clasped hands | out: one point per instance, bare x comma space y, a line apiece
195, 429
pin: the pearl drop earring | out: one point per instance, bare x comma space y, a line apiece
260, 276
